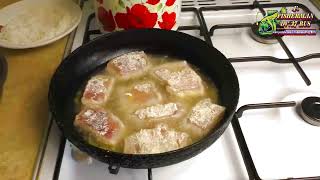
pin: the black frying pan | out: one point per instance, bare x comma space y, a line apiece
78, 67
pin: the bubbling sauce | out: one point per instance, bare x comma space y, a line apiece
119, 103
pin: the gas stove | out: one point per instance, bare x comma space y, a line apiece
274, 134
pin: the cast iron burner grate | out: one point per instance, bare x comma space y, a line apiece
207, 33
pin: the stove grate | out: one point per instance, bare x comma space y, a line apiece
252, 172
207, 34
198, 7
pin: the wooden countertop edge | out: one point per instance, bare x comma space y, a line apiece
42, 147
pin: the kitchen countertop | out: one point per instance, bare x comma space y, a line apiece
24, 106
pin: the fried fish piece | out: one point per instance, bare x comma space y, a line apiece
157, 140
137, 95
97, 91
160, 111
104, 126
180, 78
129, 65
164, 71
144, 93
185, 83
204, 115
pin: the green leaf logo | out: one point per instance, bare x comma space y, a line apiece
283, 10
271, 12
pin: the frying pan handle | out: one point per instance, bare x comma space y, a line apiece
3, 73
113, 169
149, 174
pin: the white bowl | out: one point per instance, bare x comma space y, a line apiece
11, 11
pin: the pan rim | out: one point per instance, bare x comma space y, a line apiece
221, 126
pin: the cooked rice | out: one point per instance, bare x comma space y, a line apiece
36, 24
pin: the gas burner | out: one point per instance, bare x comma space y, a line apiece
265, 39
310, 110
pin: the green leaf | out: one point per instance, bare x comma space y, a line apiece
159, 7
121, 4
283, 10
271, 12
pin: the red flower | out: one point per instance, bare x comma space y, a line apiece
168, 20
153, 2
140, 17
136, 17
170, 2
122, 20
106, 19
100, 1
